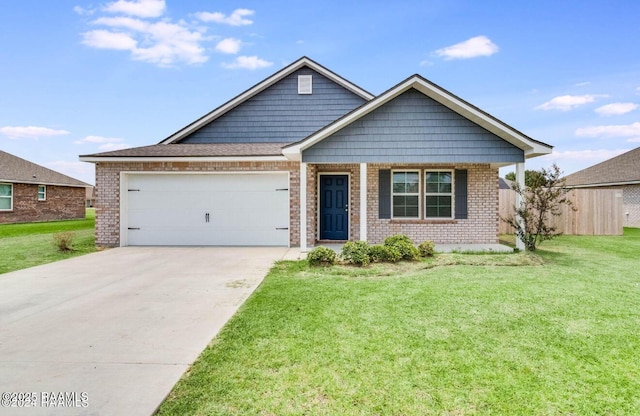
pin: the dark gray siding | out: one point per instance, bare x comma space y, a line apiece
413, 128
279, 114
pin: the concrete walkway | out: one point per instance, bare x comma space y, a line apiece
114, 331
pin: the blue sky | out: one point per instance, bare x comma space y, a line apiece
80, 77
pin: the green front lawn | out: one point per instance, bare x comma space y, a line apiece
32, 244
555, 333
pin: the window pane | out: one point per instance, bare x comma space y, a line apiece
5, 190
438, 182
406, 182
5, 203
405, 206
413, 182
399, 182
445, 182
438, 206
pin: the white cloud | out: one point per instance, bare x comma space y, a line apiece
248, 62
471, 48
30, 132
229, 45
593, 156
236, 18
130, 23
170, 43
162, 43
583, 84
625, 130
82, 11
139, 8
165, 42
104, 39
426, 63
106, 143
568, 102
616, 109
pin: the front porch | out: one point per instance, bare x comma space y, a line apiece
468, 222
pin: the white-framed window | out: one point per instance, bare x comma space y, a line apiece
438, 194
6, 197
42, 192
405, 194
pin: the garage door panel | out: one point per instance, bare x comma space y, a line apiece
243, 209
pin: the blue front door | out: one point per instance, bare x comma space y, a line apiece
334, 207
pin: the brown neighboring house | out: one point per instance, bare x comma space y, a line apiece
306, 157
621, 172
32, 193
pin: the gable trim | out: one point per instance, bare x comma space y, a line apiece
283, 73
531, 147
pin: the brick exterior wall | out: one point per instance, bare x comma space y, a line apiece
480, 227
62, 203
108, 190
631, 205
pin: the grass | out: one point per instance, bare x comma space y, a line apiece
32, 244
557, 332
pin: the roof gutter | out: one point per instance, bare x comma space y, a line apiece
97, 159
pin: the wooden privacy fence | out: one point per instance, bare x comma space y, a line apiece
598, 212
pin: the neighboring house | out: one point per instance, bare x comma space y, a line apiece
31, 193
90, 197
621, 172
504, 184
306, 156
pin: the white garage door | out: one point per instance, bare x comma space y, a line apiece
207, 209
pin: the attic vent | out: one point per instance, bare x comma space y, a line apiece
305, 84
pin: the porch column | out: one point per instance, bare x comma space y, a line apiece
520, 182
363, 202
303, 207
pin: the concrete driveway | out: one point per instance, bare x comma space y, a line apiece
113, 331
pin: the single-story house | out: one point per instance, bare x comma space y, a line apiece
307, 157
32, 193
621, 172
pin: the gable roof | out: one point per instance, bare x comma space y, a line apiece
17, 170
620, 170
531, 147
261, 86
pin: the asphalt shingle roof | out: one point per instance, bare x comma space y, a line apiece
198, 150
17, 170
620, 169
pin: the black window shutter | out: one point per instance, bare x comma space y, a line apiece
461, 194
384, 193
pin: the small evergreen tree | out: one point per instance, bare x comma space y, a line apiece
541, 200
